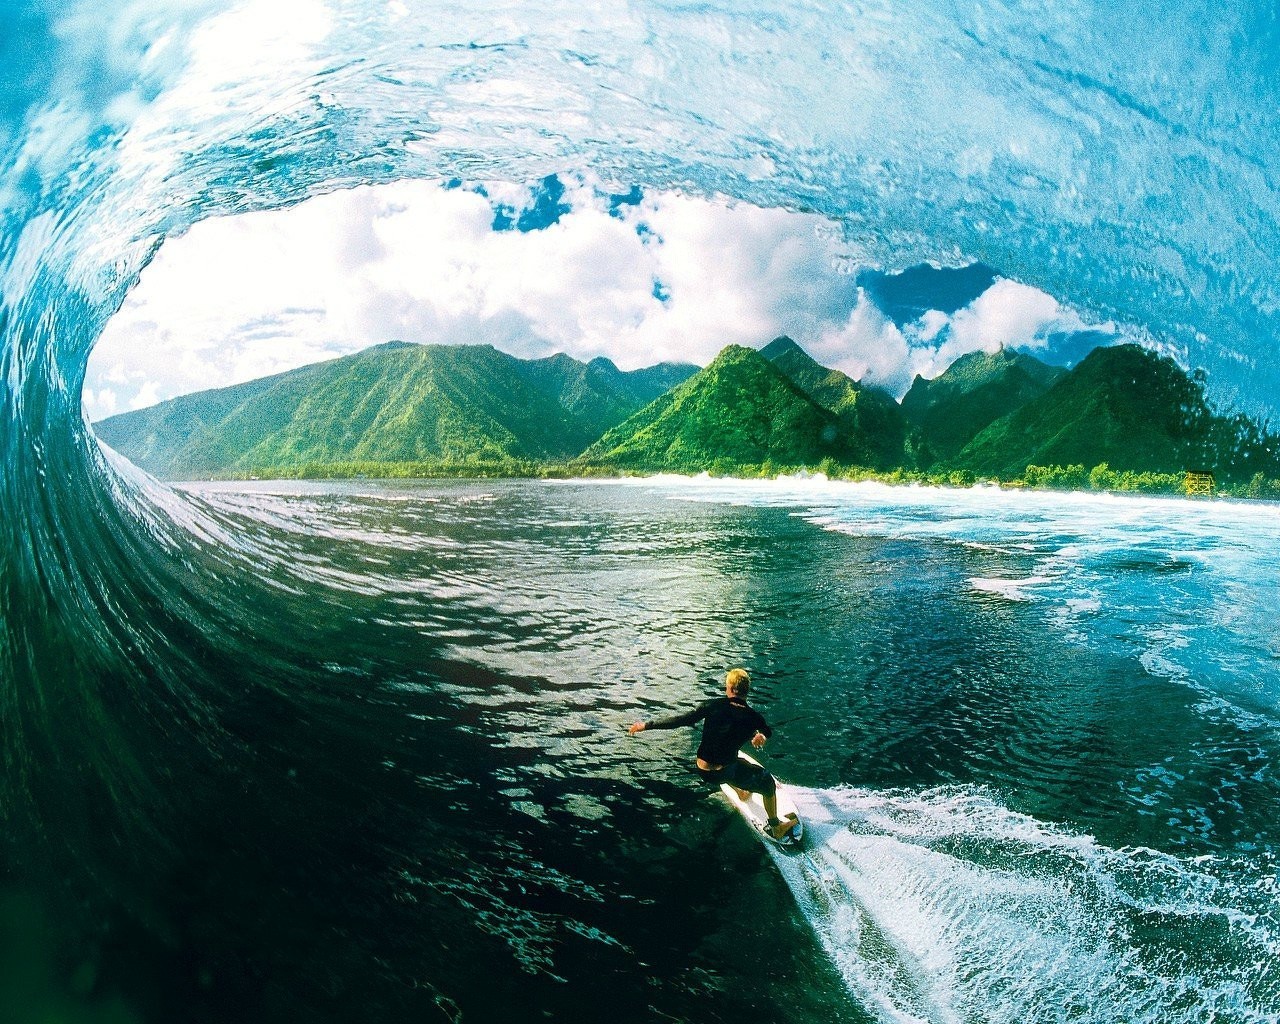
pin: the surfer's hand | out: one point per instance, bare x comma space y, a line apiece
758, 740
634, 728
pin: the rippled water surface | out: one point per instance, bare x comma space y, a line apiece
1035, 736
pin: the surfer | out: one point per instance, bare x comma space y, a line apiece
727, 723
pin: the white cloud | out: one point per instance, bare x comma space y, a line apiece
739, 274
933, 321
103, 401
673, 277
147, 395
1007, 315
868, 347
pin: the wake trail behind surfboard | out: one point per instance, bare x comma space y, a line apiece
945, 906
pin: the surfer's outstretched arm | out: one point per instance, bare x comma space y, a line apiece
675, 721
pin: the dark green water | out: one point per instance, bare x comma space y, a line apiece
416, 799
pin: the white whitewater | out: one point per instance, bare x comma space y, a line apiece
945, 907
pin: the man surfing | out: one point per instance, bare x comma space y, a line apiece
727, 723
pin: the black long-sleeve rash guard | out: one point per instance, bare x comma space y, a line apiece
729, 723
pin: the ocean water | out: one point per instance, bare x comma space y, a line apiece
354, 752
1034, 737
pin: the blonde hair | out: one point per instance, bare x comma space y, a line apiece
738, 681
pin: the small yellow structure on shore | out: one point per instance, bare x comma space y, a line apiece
1198, 483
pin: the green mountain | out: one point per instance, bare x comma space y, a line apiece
876, 429
155, 438
1125, 406
390, 403
442, 407
600, 393
972, 393
740, 410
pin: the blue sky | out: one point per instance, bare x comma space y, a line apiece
565, 264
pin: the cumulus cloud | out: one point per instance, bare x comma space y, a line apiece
562, 265
639, 280
867, 346
739, 275
104, 401
148, 394
1006, 315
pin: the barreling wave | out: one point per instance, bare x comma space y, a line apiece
152, 662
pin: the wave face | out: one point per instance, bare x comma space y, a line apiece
167, 687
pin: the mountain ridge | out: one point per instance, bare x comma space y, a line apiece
740, 408
440, 409
1122, 404
876, 427
389, 403
972, 393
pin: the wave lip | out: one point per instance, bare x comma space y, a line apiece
946, 907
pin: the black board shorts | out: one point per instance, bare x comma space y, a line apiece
742, 774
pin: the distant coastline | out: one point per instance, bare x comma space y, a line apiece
1100, 479
1123, 420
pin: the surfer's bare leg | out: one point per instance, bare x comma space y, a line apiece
777, 828
743, 794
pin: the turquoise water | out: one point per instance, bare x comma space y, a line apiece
352, 752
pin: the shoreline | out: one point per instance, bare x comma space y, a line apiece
1057, 479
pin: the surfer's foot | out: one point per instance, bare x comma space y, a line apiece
779, 829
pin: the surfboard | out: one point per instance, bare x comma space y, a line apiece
753, 810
